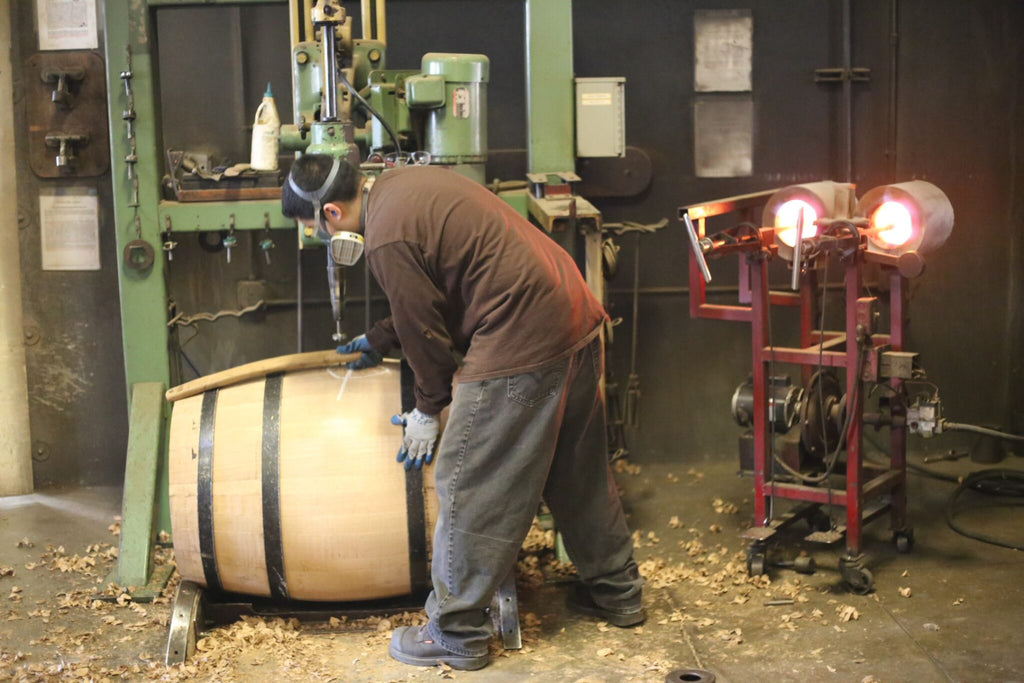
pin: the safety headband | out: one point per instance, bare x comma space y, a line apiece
316, 196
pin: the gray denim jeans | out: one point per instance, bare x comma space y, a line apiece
509, 441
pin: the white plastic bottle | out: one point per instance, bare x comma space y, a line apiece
265, 131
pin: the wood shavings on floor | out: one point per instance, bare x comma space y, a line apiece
624, 466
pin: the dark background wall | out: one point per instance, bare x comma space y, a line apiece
959, 119
77, 408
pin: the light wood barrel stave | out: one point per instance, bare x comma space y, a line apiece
347, 529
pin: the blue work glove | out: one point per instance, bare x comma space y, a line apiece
418, 439
369, 359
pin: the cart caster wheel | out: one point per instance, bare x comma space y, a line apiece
904, 540
804, 564
859, 579
819, 521
756, 565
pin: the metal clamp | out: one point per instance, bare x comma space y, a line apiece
126, 75
230, 241
130, 159
62, 80
65, 144
128, 116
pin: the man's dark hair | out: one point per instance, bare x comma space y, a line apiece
309, 172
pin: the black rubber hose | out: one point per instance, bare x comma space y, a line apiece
997, 482
959, 426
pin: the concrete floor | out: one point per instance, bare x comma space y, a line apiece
959, 623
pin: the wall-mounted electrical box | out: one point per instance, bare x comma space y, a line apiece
601, 117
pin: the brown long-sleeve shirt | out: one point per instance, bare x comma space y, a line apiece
467, 276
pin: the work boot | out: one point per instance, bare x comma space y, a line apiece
412, 645
579, 600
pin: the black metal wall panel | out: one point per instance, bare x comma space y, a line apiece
958, 123
77, 403
960, 126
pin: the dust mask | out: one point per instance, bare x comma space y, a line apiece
346, 248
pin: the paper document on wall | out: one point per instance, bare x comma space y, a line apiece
723, 136
67, 24
723, 46
69, 224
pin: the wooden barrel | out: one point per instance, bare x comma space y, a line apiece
287, 487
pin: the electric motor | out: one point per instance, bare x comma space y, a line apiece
783, 403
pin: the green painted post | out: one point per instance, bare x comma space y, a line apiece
146, 440
549, 86
550, 103
143, 295
128, 30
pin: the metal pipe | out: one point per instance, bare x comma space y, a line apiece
381, 23
894, 39
329, 103
293, 22
847, 92
636, 305
319, 303
238, 57
298, 299
293, 30
670, 290
364, 7
307, 15
15, 438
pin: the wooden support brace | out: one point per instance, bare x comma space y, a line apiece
138, 507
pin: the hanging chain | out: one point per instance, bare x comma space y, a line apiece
132, 158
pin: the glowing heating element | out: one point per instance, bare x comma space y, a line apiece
892, 224
786, 217
810, 203
911, 216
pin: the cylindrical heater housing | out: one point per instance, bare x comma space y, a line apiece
824, 199
923, 209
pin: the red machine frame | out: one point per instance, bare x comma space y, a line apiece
865, 494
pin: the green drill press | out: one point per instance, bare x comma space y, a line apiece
388, 118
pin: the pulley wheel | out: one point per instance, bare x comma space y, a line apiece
690, 675
819, 431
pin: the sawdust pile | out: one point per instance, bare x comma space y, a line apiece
538, 561
292, 650
710, 585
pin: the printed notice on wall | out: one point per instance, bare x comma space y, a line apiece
67, 24
69, 223
722, 46
723, 136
